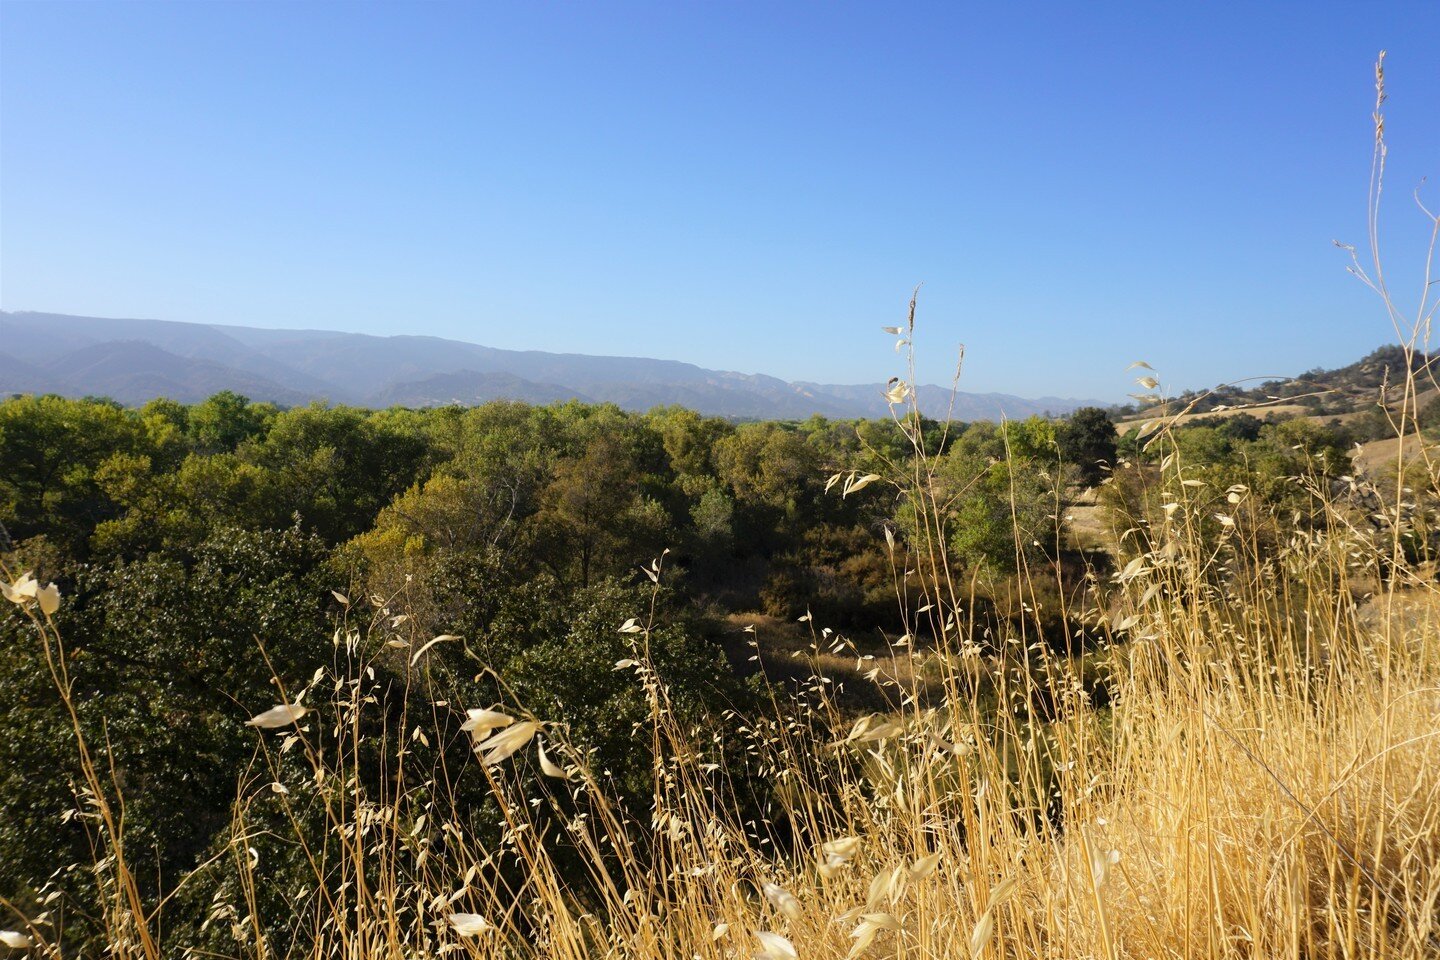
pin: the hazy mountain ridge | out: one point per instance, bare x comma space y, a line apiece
136, 360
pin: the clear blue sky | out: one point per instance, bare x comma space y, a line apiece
750, 186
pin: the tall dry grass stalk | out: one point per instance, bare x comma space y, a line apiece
1260, 778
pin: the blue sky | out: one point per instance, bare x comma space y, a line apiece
750, 186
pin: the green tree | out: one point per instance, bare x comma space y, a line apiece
166, 660
998, 493
336, 467
774, 477
594, 514
222, 422
52, 451
1087, 439
177, 509
689, 440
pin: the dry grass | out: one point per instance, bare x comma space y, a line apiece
1378, 457
1089, 526
1266, 784
801, 651
1258, 410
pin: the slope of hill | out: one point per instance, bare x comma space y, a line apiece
133, 371
936, 400
137, 360
1352, 389
17, 376
470, 387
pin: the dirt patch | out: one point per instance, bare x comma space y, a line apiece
1087, 523
1378, 456
1261, 410
862, 674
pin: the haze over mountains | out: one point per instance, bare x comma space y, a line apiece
133, 361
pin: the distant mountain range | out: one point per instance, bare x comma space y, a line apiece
133, 361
